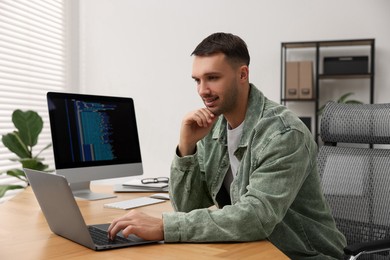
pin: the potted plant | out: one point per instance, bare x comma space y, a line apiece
343, 99
21, 142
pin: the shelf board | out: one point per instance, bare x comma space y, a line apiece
335, 43
361, 42
299, 44
346, 76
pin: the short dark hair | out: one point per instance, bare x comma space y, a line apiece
234, 48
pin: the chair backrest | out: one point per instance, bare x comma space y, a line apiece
356, 178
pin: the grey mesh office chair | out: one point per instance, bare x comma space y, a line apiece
355, 174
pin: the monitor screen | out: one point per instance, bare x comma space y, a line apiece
94, 137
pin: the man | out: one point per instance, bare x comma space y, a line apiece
249, 156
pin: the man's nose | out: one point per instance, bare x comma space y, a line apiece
203, 89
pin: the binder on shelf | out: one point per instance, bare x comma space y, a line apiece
292, 79
305, 84
299, 80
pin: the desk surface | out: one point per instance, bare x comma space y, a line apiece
22, 220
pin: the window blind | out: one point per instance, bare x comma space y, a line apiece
33, 41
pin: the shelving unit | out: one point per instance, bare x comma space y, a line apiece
316, 49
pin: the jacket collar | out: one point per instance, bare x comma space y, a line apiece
255, 109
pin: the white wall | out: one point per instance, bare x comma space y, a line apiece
141, 49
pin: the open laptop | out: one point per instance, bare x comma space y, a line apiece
64, 217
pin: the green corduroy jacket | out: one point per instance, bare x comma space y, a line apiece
276, 194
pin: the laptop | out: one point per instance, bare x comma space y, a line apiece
64, 217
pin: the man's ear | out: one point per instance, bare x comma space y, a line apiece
244, 72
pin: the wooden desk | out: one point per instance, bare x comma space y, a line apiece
22, 220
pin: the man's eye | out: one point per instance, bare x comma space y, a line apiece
197, 81
213, 78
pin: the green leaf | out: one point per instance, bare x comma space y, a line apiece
353, 102
34, 164
29, 124
344, 97
14, 143
17, 173
44, 148
5, 188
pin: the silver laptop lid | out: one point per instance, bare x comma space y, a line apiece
59, 206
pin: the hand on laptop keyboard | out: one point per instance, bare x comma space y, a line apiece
100, 237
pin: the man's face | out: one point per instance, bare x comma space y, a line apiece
217, 83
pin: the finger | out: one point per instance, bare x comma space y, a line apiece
211, 114
120, 225
200, 119
129, 230
208, 114
110, 229
114, 222
203, 117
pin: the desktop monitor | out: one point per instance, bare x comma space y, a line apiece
94, 138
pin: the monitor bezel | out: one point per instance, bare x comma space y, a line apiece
79, 175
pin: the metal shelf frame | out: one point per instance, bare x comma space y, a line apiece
318, 46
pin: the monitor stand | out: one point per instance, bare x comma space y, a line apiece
82, 190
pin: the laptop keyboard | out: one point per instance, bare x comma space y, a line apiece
100, 237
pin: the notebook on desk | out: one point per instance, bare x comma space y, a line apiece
137, 186
64, 217
121, 188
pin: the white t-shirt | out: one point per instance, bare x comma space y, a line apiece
233, 140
